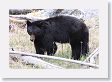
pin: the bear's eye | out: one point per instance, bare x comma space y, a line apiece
30, 33
29, 30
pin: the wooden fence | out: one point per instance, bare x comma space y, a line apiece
36, 59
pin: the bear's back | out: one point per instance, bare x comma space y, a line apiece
65, 23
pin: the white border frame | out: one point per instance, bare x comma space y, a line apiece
102, 72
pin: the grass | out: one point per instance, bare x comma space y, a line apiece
20, 41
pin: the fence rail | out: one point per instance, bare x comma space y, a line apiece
53, 57
93, 54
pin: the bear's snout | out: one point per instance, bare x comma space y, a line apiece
32, 37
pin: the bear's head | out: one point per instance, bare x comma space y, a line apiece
36, 29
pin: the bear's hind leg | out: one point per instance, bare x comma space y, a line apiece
85, 43
76, 50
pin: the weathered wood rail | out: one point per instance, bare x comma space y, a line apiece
53, 57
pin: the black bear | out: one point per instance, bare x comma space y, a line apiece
62, 29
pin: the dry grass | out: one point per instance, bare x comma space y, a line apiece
19, 40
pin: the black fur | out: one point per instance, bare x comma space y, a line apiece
62, 29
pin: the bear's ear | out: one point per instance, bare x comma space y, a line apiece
28, 23
45, 24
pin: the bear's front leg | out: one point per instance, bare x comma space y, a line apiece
39, 48
51, 48
49, 44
